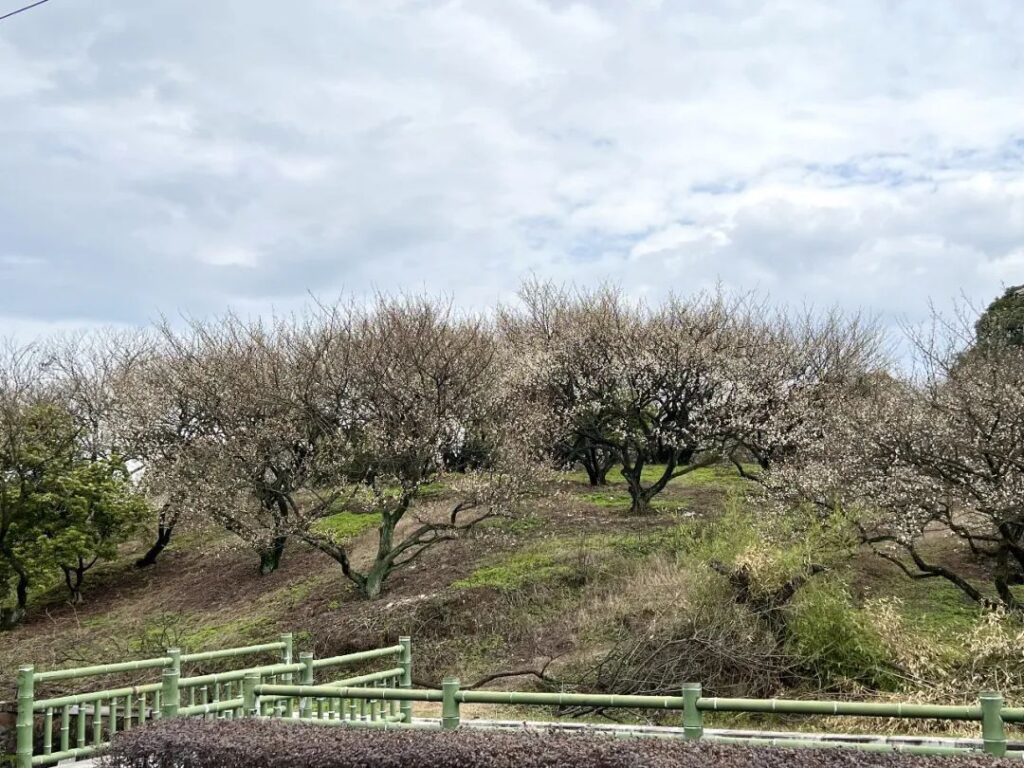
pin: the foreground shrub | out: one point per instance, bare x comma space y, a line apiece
836, 643
277, 744
672, 626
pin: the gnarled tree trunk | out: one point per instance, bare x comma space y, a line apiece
163, 538
270, 557
74, 575
597, 463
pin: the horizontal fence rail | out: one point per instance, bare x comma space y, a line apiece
340, 702
81, 724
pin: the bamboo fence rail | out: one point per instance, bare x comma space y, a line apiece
384, 698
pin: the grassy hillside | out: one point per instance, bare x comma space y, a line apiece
545, 595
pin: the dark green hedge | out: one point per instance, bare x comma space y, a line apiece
192, 743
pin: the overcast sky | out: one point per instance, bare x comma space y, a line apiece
176, 155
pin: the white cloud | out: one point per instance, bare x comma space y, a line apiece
172, 156
229, 256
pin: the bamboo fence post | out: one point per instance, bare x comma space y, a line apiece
250, 704
405, 663
693, 719
26, 696
306, 703
449, 704
392, 682
286, 658
993, 733
170, 698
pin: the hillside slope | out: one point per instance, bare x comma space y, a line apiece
519, 601
205, 591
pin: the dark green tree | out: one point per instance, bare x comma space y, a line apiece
60, 509
1003, 321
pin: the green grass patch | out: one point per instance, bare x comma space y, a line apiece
517, 571
670, 539
241, 631
720, 476
431, 491
933, 607
345, 526
279, 601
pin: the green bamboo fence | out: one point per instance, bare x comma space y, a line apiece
97, 715
384, 698
989, 711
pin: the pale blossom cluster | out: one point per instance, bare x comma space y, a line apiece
918, 459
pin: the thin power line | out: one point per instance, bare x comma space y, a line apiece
12, 13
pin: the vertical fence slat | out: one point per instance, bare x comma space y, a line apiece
97, 722
80, 726
48, 731
65, 728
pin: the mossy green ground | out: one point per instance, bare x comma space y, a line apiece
345, 526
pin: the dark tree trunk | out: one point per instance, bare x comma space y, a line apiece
597, 463
163, 538
270, 558
640, 497
373, 582
11, 617
1003, 578
74, 575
